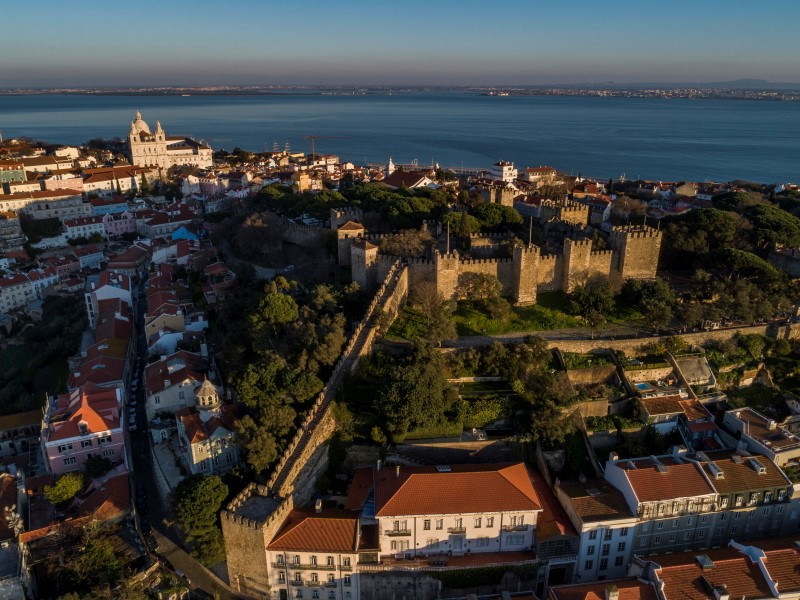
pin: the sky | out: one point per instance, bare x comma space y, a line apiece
433, 42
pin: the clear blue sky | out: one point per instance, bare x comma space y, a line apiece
146, 42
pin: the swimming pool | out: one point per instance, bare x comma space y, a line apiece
643, 387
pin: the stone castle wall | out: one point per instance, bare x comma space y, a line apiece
306, 236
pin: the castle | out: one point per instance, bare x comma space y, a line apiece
633, 254
161, 150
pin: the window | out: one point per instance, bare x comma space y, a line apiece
618, 561
642, 543
701, 534
660, 525
515, 540
657, 539
734, 529
107, 453
426, 524
623, 532
313, 561
477, 522
621, 547
689, 521
482, 542
704, 519
606, 549
314, 578
765, 511
86, 443
724, 502
394, 545
753, 498
607, 535
433, 543
299, 594
671, 537
737, 516
460, 522
687, 536
674, 522
64, 447
331, 595
739, 500
296, 560
590, 550
781, 495
157, 400
588, 565
490, 521
779, 510
346, 561
315, 594
768, 496
331, 578
298, 576
439, 523
593, 534
723, 517
329, 561
646, 526
181, 395
281, 577
347, 579
603, 564
279, 559
70, 461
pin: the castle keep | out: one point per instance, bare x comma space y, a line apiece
633, 254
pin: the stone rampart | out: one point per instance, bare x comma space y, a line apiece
306, 236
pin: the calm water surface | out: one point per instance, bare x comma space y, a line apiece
600, 137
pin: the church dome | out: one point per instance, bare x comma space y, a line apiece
208, 396
139, 125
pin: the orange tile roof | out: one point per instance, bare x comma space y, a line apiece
351, 226
97, 407
554, 520
683, 576
360, 488
629, 589
307, 531
462, 489
742, 476
662, 405
694, 410
680, 480
596, 500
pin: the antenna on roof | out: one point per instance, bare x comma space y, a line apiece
530, 231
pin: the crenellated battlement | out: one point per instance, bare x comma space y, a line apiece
485, 261
489, 236
636, 231
602, 252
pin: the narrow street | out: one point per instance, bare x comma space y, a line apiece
149, 506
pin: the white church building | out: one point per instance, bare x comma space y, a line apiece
161, 150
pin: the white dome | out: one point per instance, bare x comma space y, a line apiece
139, 126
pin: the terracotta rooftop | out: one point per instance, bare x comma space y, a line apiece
685, 579
596, 500
662, 405
554, 520
31, 418
741, 473
198, 430
351, 226
459, 489
328, 531
765, 430
675, 479
629, 589
694, 410
98, 408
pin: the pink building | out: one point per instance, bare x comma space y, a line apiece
85, 422
64, 183
118, 223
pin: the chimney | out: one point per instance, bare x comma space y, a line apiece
612, 592
378, 468
397, 471
613, 457
318, 506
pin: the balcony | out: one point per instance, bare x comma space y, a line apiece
330, 584
297, 583
309, 567
515, 528
457, 530
398, 532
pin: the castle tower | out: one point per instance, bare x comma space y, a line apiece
346, 234
447, 268
577, 261
636, 252
364, 263
526, 274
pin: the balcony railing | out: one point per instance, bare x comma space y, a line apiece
296, 582
515, 528
330, 584
456, 530
398, 532
308, 567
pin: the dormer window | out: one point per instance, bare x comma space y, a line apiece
83, 428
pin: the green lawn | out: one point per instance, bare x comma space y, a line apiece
471, 320
408, 325
574, 360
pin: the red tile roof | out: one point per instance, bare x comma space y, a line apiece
629, 589
554, 520
351, 226
327, 531
679, 480
174, 369
462, 489
684, 577
98, 408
